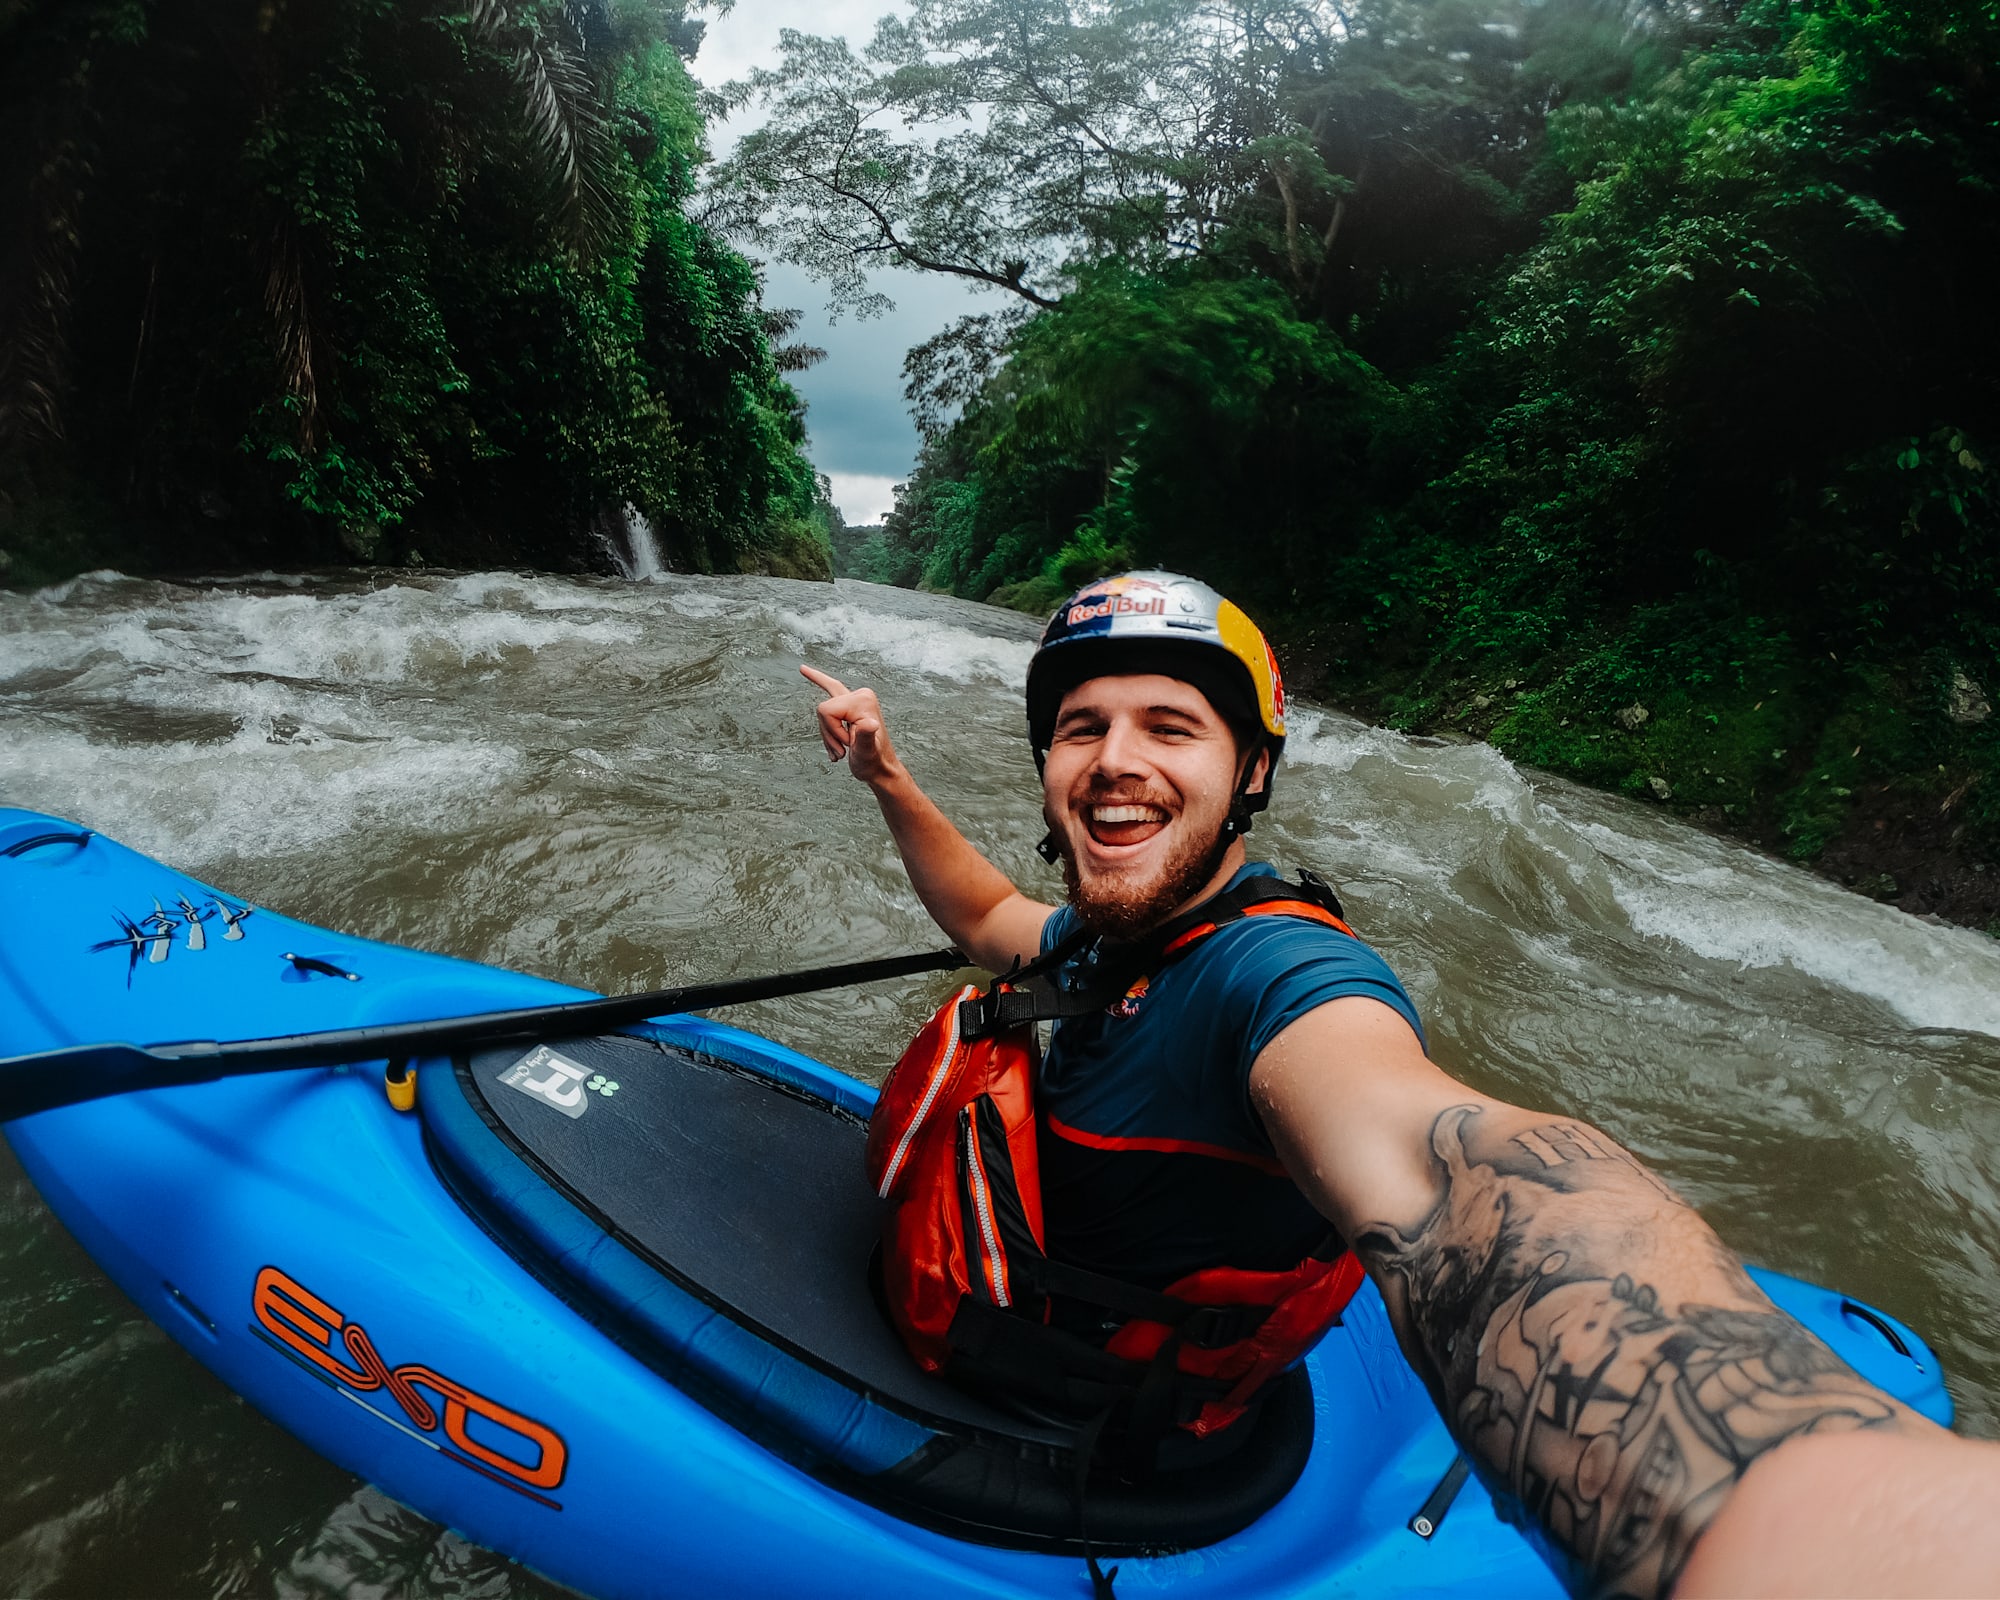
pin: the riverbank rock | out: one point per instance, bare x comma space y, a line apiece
1968, 702
1630, 719
1662, 790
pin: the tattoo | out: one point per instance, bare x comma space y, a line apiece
1556, 1143
1614, 1423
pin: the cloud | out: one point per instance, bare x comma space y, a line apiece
857, 420
748, 36
863, 498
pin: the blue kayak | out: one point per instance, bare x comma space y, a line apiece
605, 1304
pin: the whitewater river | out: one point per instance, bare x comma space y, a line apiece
618, 785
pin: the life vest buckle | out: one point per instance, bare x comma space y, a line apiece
1212, 1327
979, 1016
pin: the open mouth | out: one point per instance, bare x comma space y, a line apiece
1125, 823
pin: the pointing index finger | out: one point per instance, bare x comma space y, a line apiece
822, 681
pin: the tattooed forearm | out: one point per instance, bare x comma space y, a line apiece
1616, 1417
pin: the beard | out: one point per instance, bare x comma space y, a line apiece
1122, 910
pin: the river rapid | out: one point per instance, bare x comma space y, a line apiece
618, 785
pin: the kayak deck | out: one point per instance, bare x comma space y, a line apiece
717, 1223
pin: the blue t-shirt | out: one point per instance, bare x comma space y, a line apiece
1154, 1162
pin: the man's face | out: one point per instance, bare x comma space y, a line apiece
1138, 783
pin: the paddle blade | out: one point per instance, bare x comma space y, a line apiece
69, 1077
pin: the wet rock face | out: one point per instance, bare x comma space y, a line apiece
1908, 840
1968, 703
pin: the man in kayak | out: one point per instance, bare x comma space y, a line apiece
1601, 1357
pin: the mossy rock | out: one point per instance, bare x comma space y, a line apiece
1037, 596
796, 549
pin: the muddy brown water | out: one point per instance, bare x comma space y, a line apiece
618, 785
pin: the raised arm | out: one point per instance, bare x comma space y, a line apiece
971, 899
1602, 1358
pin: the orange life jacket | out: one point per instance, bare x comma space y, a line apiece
952, 1142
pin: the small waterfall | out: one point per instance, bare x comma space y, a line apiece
628, 539
643, 563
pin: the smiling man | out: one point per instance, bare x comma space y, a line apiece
1157, 715
1236, 1115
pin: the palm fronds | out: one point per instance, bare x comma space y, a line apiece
562, 111
789, 355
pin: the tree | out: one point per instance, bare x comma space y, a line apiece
1005, 140
362, 278
1373, 158
1745, 353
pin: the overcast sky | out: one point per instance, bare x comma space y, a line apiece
862, 437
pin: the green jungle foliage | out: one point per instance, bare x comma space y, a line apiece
381, 280
1615, 382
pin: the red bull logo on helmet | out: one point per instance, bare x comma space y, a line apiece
1118, 597
1120, 605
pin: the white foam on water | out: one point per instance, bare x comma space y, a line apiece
1718, 900
98, 578
188, 802
1475, 774
1424, 807
284, 580
503, 589
280, 710
307, 761
918, 644
1758, 913
1324, 739
382, 637
686, 598
35, 644
514, 591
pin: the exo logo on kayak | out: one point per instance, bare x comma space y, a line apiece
557, 1081
152, 936
305, 1326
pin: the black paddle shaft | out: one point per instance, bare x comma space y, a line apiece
66, 1077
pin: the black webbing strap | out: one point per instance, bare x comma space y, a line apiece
995, 1011
1033, 995
1152, 1414
1033, 1359
1102, 1579
1049, 960
1206, 1326
1259, 889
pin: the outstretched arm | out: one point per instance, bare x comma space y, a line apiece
971, 899
1602, 1358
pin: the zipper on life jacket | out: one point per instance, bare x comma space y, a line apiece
978, 1194
940, 1074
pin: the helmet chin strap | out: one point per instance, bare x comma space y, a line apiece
1247, 804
